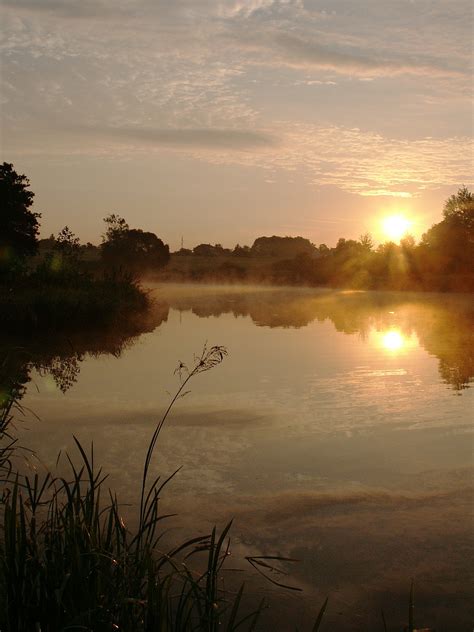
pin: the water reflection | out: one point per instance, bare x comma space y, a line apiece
443, 325
394, 323
342, 449
58, 358
394, 341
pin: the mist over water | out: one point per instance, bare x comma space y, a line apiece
338, 432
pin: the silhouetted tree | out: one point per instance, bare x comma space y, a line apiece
446, 251
282, 246
366, 241
116, 226
241, 251
132, 248
459, 209
19, 226
207, 250
67, 244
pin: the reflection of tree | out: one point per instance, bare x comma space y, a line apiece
444, 325
61, 356
64, 371
448, 334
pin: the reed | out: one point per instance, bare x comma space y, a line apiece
69, 562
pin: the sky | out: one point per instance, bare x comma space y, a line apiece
219, 121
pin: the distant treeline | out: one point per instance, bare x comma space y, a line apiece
443, 260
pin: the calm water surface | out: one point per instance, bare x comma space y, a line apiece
337, 431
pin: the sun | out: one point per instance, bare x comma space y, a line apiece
395, 226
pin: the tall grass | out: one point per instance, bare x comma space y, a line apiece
69, 562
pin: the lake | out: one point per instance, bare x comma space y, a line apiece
337, 431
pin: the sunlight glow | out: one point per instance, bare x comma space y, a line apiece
393, 340
395, 226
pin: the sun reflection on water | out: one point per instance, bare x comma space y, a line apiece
394, 341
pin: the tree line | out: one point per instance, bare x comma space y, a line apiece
442, 260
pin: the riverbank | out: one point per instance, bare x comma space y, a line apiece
31, 305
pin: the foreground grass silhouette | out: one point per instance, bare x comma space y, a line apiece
68, 561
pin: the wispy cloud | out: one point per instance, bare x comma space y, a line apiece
362, 162
210, 138
305, 52
216, 79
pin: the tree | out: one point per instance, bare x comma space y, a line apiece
366, 241
67, 245
459, 209
207, 250
19, 226
407, 243
241, 251
282, 247
323, 249
116, 227
132, 248
446, 251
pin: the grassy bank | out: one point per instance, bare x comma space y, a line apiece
38, 303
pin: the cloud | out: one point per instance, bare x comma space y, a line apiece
362, 162
218, 79
66, 8
303, 51
211, 138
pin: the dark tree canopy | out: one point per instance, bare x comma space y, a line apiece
459, 209
207, 250
132, 248
282, 246
449, 245
19, 226
116, 227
